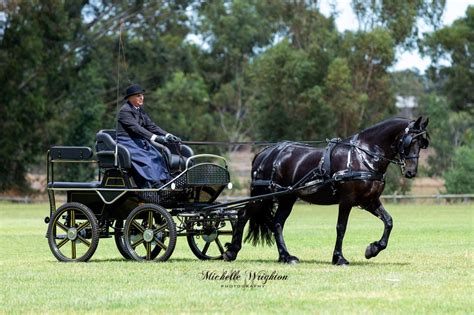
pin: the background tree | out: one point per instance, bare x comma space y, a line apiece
456, 44
460, 178
453, 109
286, 90
35, 58
182, 107
263, 70
234, 31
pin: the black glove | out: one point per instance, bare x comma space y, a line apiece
160, 140
172, 138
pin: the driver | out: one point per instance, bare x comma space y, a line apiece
136, 131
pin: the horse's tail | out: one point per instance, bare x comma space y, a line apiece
261, 215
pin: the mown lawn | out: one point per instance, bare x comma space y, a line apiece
427, 268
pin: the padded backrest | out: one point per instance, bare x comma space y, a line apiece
184, 150
176, 161
179, 156
70, 153
105, 150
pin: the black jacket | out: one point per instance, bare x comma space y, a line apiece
136, 123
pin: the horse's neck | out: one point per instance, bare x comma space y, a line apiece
381, 142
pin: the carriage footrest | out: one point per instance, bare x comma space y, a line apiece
74, 184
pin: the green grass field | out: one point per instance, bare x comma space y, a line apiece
427, 268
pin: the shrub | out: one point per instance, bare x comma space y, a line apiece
459, 179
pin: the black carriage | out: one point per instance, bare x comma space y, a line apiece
144, 223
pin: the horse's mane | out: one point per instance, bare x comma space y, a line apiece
386, 124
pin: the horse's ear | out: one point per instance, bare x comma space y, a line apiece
425, 123
417, 123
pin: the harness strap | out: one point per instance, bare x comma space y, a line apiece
357, 175
324, 167
311, 187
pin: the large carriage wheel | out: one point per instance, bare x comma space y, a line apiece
207, 241
150, 233
73, 233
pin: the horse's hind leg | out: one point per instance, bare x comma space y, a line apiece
237, 236
376, 247
284, 208
344, 211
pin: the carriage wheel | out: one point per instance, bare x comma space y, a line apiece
208, 241
118, 237
73, 233
150, 233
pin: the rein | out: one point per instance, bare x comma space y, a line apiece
309, 142
405, 141
262, 143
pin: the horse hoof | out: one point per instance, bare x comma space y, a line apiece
371, 251
340, 261
229, 256
290, 260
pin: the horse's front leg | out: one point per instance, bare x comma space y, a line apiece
344, 211
284, 208
376, 247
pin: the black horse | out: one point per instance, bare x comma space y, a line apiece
348, 172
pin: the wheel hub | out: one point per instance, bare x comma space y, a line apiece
148, 235
72, 233
209, 236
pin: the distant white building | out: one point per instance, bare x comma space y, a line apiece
405, 105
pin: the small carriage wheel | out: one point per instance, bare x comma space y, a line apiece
208, 242
73, 233
150, 233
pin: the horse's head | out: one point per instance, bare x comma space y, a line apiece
410, 142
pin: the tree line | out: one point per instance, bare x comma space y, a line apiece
226, 70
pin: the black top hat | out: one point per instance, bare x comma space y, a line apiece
132, 90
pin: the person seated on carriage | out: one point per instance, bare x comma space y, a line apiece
137, 132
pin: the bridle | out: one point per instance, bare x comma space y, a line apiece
406, 140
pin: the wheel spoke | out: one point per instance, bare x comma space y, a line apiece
140, 241
64, 241
62, 226
150, 219
73, 245
206, 247
148, 250
221, 248
160, 228
160, 243
73, 218
83, 226
84, 241
138, 226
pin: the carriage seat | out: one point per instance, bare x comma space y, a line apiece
105, 148
177, 157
